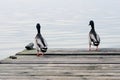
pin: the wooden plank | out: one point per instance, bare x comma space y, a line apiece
55, 73
74, 51
60, 72
57, 65
60, 68
57, 78
63, 64
104, 66
63, 59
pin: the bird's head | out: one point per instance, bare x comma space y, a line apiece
91, 23
38, 27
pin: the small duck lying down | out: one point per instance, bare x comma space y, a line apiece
41, 45
94, 38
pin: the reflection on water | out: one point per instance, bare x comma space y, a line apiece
64, 23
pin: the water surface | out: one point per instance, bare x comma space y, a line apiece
64, 23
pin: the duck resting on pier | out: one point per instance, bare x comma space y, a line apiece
41, 45
94, 38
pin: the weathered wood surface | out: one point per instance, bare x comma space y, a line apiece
63, 60
59, 64
72, 51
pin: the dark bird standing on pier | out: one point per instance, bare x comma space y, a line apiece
94, 38
41, 45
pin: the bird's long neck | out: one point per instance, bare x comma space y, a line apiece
38, 30
92, 26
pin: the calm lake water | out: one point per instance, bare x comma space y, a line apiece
64, 23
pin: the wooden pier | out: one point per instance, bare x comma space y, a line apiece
62, 64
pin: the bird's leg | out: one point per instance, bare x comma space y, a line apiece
40, 54
89, 47
37, 52
97, 48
